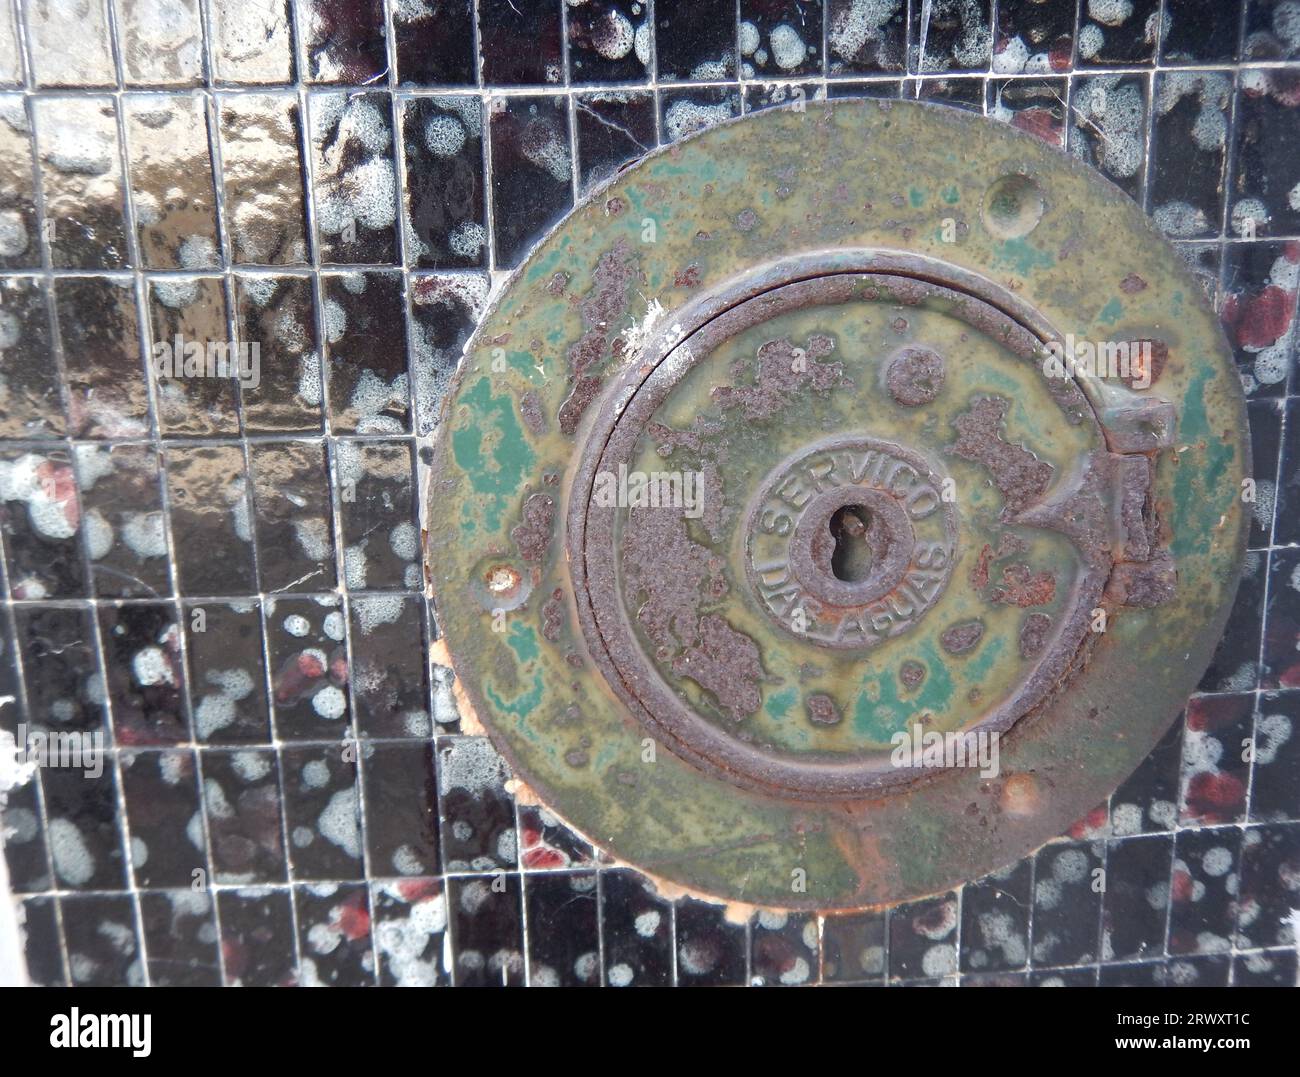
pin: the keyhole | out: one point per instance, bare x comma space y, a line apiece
851, 559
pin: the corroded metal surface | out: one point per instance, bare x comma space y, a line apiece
760, 464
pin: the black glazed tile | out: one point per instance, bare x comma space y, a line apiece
1075, 977
1269, 968
410, 929
637, 927
609, 41
614, 128
25, 850
1199, 33
1203, 261
995, 979
194, 390
1265, 418
710, 949
1264, 173
64, 688
40, 520
1065, 921
81, 180
99, 333
486, 930
1275, 784
1136, 896
145, 673
520, 44
20, 243
1281, 667
43, 946
278, 315
1033, 37
1110, 121
758, 96
401, 808
435, 43
33, 406
1270, 864
389, 682
181, 942
307, 644
123, 520
1259, 313
866, 38
1192, 112
853, 948
227, 672
442, 140
334, 935
376, 501
923, 938
875, 88
84, 834
294, 521
951, 35
343, 40
780, 38
563, 938
365, 353
685, 111
257, 939
241, 798
1178, 972
1214, 774
1269, 31
261, 164
445, 310
695, 39
1286, 521
967, 93
1203, 889
322, 811
1147, 801
478, 813
1036, 106
784, 950
170, 169
545, 843
103, 948
1113, 34
532, 171
208, 499
355, 190
1235, 665
995, 920
168, 848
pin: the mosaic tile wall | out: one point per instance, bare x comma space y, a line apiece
223, 578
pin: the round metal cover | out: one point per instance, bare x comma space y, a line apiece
839, 504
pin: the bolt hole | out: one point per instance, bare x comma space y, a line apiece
851, 559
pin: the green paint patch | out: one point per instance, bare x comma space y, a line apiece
936, 689
778, 704
1194, 512
878, 711
1111, 312
950, 195
523, 641
917, 197
1019, 255
493, 453
522, 704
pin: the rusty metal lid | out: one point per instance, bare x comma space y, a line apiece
839, 504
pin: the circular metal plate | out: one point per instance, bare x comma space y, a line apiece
760, 479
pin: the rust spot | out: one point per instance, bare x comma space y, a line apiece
962, 637
1021, 795
915, 376
1132, 284
503, 582
979, 573
688, 277
1021, 586
614, 206
1021, 478
603, 308
747, 220
533, 535
911, 673
821, 709
530, 407
724, 663
553, 615
558, 283
1145, 367
1033, 634
1147, 584
782, 372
